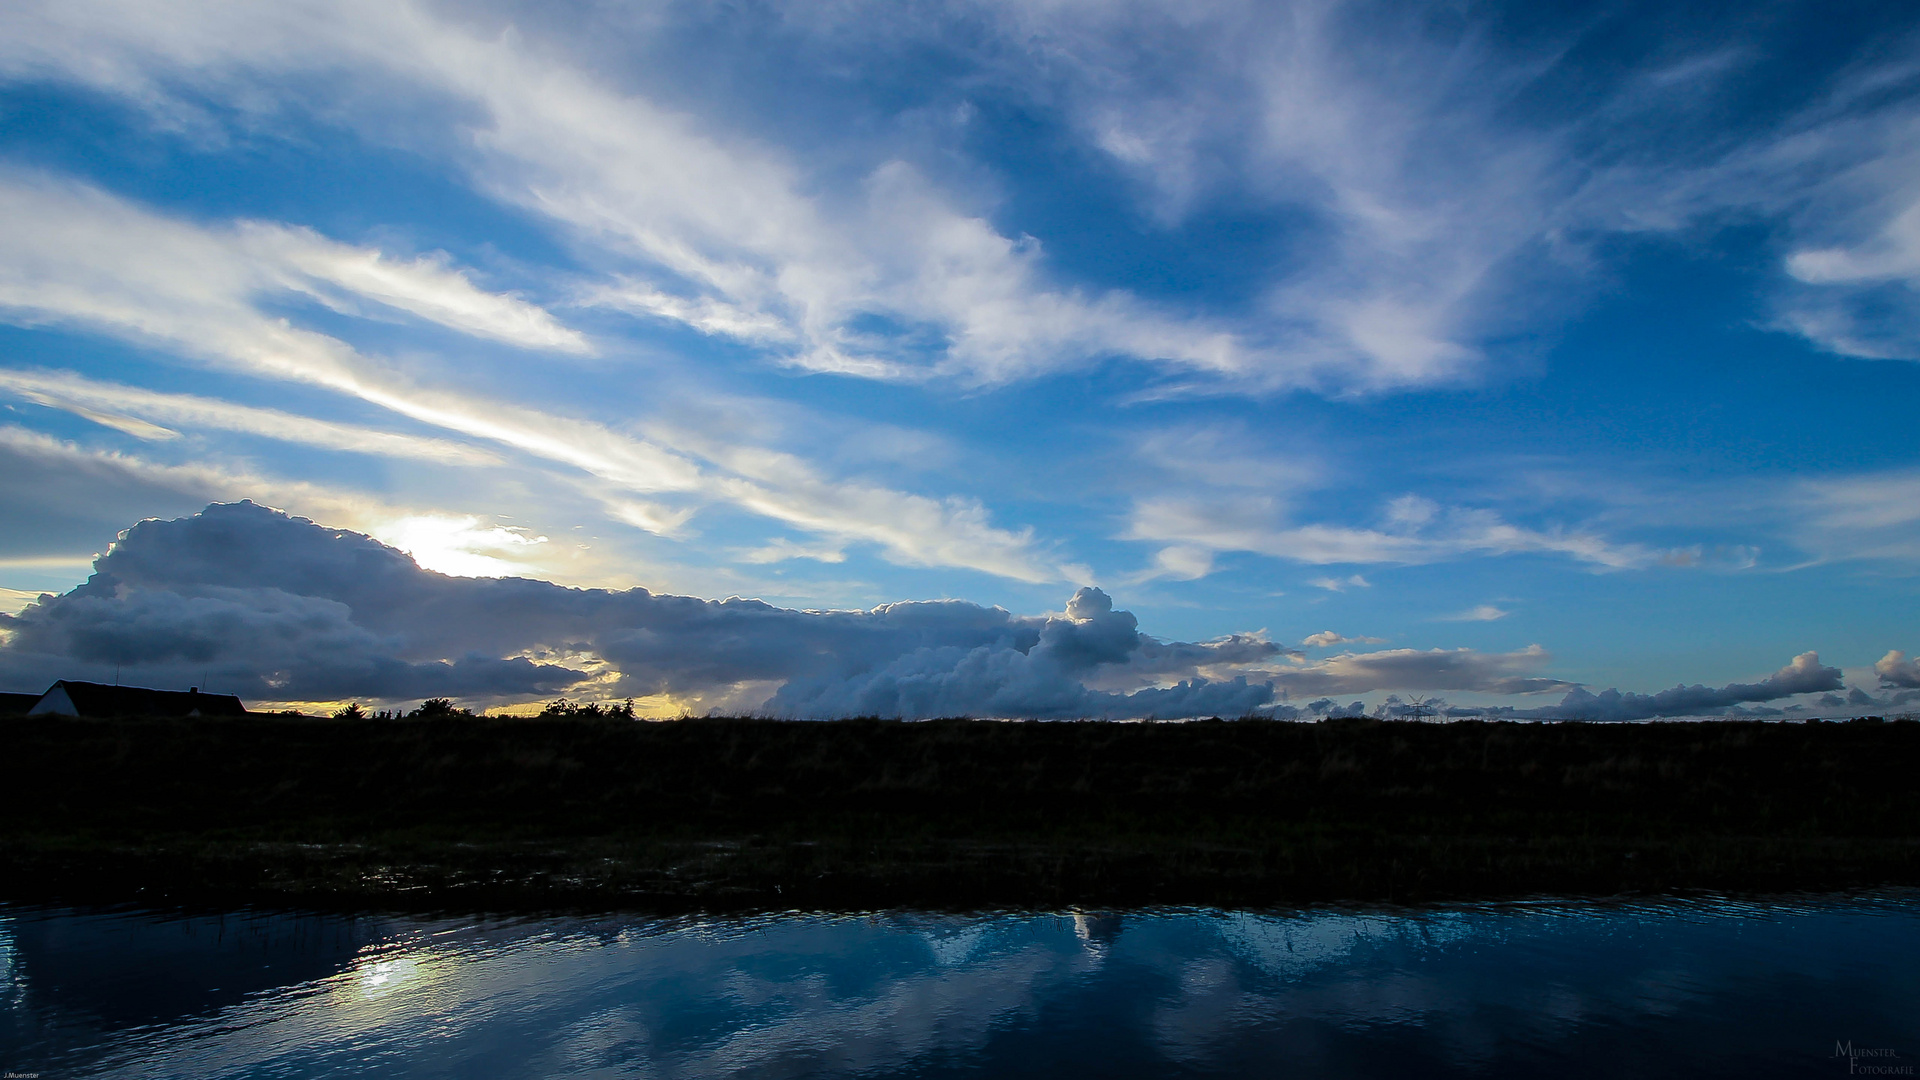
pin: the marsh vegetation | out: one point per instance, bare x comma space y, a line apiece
573, 807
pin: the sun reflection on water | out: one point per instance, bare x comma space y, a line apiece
383, 977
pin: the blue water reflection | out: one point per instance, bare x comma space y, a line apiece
1560, 989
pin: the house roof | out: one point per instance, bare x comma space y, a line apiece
99, 699
16, 704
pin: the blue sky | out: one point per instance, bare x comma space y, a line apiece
1580, 338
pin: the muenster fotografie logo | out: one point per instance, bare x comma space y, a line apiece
1865, 1061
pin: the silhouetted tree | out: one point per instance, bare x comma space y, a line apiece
562, 709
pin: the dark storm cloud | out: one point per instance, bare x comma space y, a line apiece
244, 599
1423, 669
250, 600
261, 643
1045, 679
1804, 675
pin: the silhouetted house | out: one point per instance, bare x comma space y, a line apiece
17, 704
97, 699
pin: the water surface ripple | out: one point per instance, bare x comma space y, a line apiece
1713, 987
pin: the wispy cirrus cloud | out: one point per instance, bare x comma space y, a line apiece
1413, 531
75, 250
1870, 515
1433, 213
722, 231
428, 286
92, 260
1453, 196
1441, 175
129, 408
1841, 172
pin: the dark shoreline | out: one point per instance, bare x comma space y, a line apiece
600, 814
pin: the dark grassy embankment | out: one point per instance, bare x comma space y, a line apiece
497, 812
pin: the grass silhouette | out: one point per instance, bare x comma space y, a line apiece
442, 807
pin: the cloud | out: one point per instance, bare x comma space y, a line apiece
991, 682
1386, 136
69, 240
1226, 494
896, 283
99, 262
1859, 516
705, 314
720, 231
12, 600
85, 397
72, 497
428, 287
1449, 180
263, 642
1855, 214
1812, 519
1226, 455
461, 546
1902, 697
1181, 563
1412, 531
1480, 613
1804, 675
1421, 670
1448, 175
276, 608
782, 549
1445, 182
1326, 639
1895, 669
57, 478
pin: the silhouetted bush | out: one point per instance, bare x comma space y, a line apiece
562, 709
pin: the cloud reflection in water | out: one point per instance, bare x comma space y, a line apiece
1579, 989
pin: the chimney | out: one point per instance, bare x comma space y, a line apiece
193, 689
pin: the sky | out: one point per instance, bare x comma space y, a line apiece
1039, 359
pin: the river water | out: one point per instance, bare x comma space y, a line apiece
1799, 987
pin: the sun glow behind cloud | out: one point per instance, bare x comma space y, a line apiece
460, 546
